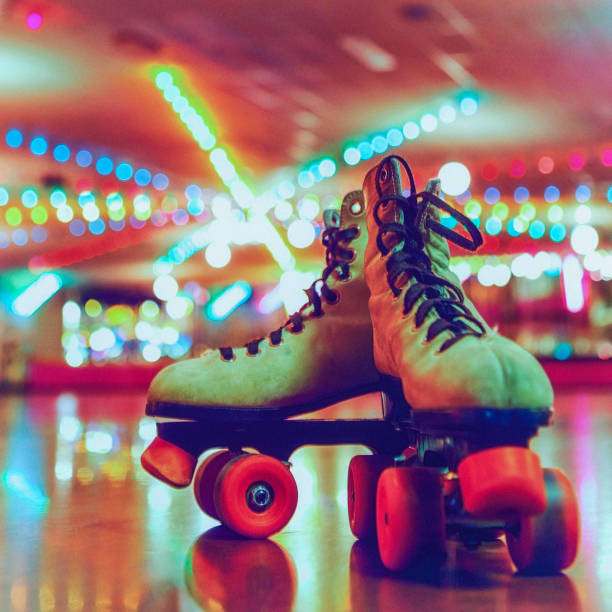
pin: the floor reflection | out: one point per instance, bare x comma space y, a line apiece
83, 528
226, 572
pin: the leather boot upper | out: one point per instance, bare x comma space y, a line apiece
319, 356
445, 354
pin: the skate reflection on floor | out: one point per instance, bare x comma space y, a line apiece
475, 580
225, 572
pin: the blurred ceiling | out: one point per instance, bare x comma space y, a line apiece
283, 84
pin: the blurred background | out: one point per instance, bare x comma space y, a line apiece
164, 168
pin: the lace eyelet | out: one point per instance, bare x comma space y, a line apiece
415, 329
296, 333
356, 208
384, 174
228, 360
270, 343
336, 298
253, 354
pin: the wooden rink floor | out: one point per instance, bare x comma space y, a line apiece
84, 528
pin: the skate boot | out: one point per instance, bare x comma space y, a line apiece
474, 397
320, 356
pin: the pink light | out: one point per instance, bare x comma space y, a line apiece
517, 168
576, 161
606, 157
546, 165
34, 21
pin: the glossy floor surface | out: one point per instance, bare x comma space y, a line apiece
83, 528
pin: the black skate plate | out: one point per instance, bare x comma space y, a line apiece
200, 412
480, 419
281, 437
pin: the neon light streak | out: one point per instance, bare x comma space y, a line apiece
203, 135
229, 300
34, 296
572, 283
271, 301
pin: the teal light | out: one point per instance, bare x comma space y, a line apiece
352, 156
224, 304
365, 150
17, 482
562, 351
558, 232
379, 144
29, 198
493, 226
395, 137
36, 294
537, 229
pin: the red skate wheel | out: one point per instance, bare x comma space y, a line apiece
548, 543
169, 463
503, 482
410, 518
204, 481
255, 495
363, 474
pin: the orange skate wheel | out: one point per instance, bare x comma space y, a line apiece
255, 495
410, 518
502, 482
204, 481
363, 474
169, 463
548, 543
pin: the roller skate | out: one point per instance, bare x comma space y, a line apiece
237, 398
470, 398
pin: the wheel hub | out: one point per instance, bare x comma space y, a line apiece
260, 496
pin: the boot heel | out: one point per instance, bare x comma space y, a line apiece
503, 482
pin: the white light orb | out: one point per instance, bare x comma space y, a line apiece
301, 233
283, 210
102, 339
218, 254
165, 287
177, 308
584, 239
454, 178
151, 353
221, 206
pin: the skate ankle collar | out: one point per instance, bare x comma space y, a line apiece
401, 238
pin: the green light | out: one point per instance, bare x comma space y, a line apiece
555, 213
149, 309
13, 216
39, 215
116, 215
114, 201
500, 210
527, 211
473, 209
142, 215
93, 308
